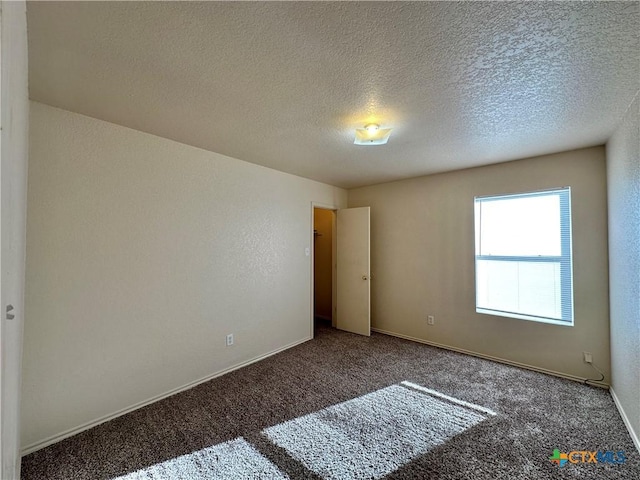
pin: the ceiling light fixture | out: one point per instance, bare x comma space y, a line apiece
372, 134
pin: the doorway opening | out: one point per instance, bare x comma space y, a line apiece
324, 268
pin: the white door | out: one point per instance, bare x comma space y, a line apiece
14, 105
353, 271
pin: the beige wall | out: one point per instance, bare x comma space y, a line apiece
422, 244
323, 271
623, 173
142, 254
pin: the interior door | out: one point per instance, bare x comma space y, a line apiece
353, 305
14, 103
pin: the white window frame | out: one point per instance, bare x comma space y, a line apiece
565, 259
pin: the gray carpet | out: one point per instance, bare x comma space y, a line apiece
344, 406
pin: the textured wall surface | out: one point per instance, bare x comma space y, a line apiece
142, 254
623, 174
422, 255
285, 84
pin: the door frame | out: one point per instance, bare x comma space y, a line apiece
312, 256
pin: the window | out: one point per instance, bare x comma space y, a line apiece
523, 256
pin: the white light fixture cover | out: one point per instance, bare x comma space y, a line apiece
372, 135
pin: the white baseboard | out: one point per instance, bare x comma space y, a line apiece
86, 426
625, 419
489, 357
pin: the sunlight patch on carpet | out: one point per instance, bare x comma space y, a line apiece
233, 459
457, 401
374, 435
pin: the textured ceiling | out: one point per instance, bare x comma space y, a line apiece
286, 84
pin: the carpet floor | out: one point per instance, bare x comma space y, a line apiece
344, 406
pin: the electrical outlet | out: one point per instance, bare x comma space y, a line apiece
588, 358
229, 339
431, 320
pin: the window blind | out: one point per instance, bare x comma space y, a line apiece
523, 256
